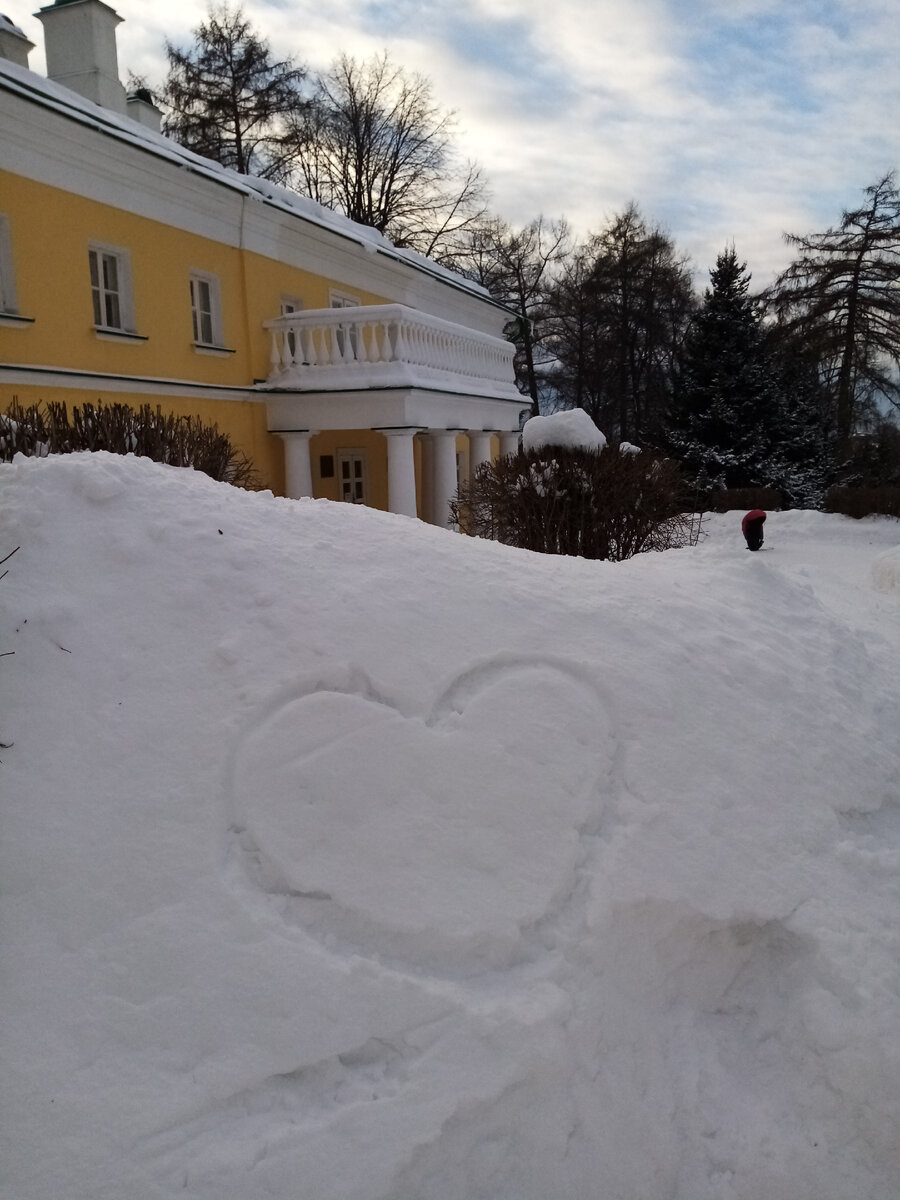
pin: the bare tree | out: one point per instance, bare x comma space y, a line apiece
225, 97
375, 146
620, 309
840, 298
517, 268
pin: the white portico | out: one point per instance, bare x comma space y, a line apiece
407, 375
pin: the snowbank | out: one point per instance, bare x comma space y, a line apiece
886, 571
353, 859
572, 429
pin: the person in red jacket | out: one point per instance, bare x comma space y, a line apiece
752, 528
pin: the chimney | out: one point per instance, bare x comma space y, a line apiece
140, 108
14, 45
80, 40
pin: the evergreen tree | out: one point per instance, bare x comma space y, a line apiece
723, 422
803, 463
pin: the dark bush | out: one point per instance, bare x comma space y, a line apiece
769, 499
604, 504
43, 429
864, 501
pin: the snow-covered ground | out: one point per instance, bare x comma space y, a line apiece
344, 858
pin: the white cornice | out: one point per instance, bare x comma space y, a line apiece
23, 375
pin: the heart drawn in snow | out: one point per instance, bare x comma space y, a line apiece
443, 834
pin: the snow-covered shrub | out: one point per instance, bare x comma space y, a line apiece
145, 432
593, 503
571, 428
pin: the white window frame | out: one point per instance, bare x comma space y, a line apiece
212, 284
9, 303
344, 300
349, 455
123, 292
291, 304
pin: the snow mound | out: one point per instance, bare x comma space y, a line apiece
333, 867
571, 429
886, 571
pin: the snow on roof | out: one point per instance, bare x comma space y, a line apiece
9, 26
573, 429
54, 95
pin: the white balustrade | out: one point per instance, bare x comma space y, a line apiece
385, 345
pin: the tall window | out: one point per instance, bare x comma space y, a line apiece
206, 309
8, 300
111, 288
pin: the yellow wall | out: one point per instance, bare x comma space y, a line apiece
50, 232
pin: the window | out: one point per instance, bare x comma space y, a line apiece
352, 476
290, 304
342, 300
8, 301
111, 288
206, 310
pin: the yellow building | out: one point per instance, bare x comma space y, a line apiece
134, 271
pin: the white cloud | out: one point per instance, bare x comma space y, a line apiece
723, 121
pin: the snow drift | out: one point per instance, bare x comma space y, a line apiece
571, 429
351, 859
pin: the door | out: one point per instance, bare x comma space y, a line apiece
352, 476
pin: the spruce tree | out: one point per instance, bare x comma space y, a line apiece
722, 423
803, 464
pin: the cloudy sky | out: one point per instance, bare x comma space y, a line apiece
725, 120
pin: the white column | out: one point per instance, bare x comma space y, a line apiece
443, 481
427, 505
297, 467
401, 471
509, 443
479, 449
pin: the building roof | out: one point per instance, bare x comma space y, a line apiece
69, 104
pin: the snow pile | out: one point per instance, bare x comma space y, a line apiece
349, 858
886, 571
629, 448
571, 429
